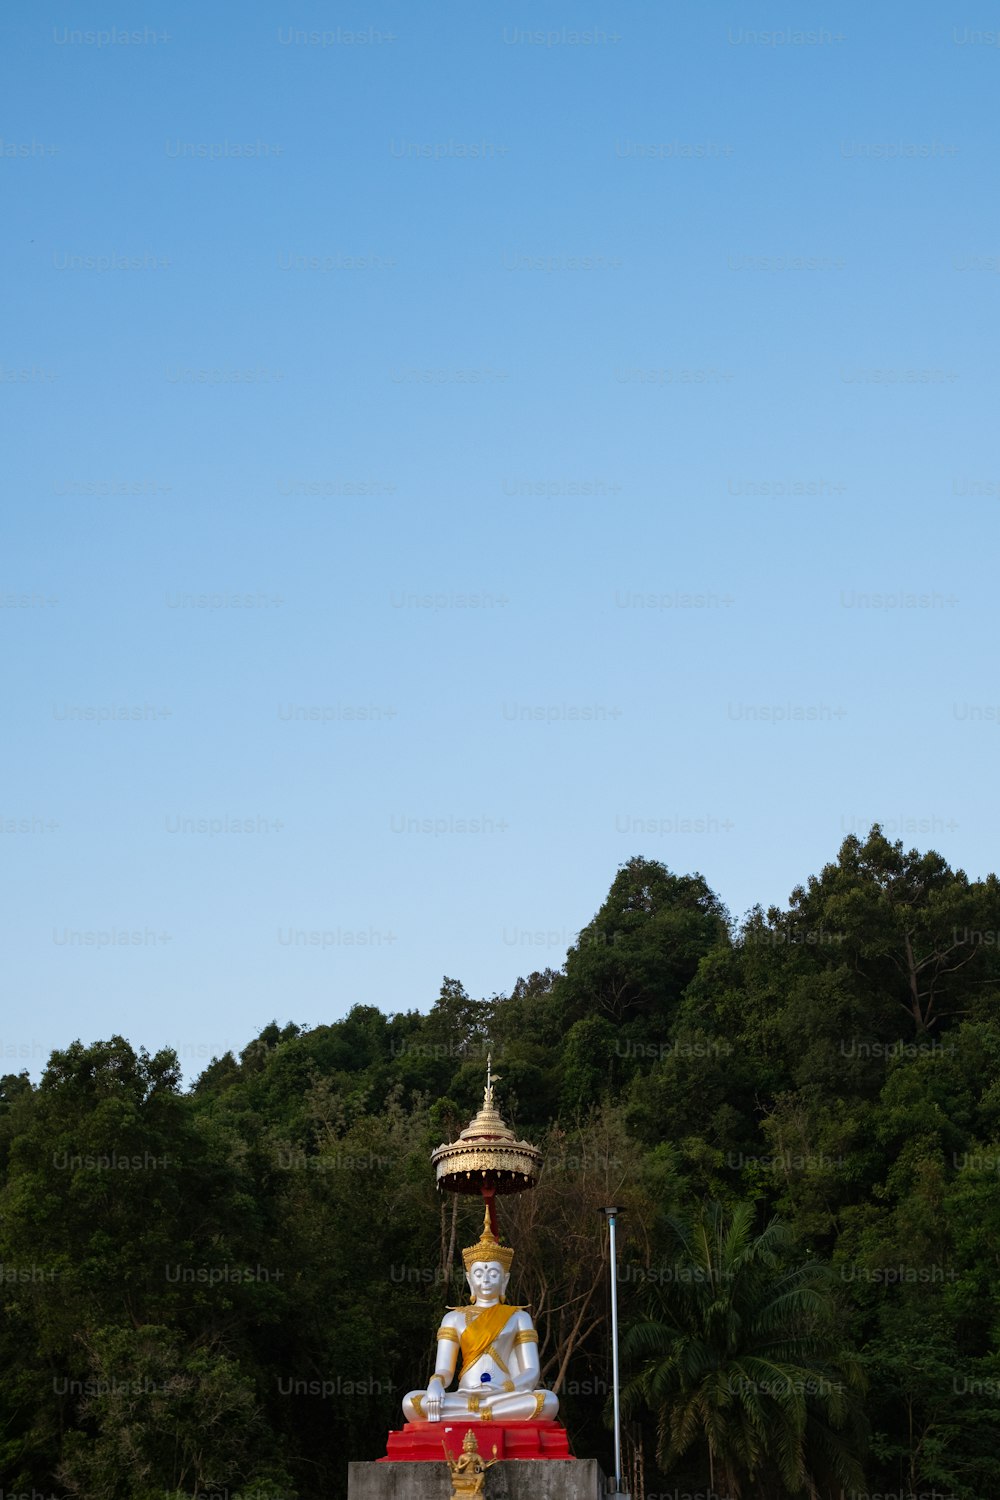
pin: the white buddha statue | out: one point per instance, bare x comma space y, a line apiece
499, 1346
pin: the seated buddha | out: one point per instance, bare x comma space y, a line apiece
500, 1375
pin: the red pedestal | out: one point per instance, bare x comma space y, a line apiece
423, 1441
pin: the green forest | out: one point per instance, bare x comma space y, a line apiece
226, 1289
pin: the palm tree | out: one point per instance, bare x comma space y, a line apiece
738, 1349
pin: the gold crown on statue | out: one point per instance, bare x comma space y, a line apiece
488, 1248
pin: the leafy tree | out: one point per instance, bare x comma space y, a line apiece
915, 930
643, 947
157, 1419
739, 1350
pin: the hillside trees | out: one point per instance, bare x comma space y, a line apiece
246, 1306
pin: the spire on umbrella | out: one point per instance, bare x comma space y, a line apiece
487, 1158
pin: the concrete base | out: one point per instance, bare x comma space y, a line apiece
513, 1479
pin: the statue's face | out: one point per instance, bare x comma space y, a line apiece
487, 1279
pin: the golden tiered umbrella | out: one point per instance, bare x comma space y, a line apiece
486, 1158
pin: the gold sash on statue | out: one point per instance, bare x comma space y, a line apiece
480, 1330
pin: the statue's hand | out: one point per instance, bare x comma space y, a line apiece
432, 1400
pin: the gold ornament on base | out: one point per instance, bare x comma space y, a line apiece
468, 1473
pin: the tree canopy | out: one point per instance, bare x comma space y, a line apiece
230, 1287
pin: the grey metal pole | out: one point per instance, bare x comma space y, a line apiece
612, 1214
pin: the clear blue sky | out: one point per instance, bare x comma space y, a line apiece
544, 324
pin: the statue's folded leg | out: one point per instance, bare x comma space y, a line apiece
518, 1406
525, 1406
460, 1404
